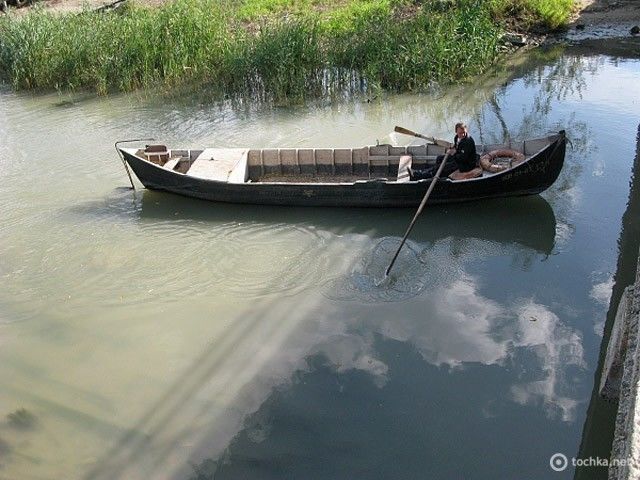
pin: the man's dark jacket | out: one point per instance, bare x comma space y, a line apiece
465, 156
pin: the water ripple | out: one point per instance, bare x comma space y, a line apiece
170, 261
367, 283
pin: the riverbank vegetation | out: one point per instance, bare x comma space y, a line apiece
269, 48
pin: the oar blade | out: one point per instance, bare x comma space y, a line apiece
405, 131
436, 141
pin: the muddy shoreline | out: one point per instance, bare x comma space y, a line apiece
598, 19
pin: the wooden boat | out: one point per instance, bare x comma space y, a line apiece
373, 176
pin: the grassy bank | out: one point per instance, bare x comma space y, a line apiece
278, 48
539, 15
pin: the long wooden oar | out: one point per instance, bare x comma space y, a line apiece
437, 141
415, 217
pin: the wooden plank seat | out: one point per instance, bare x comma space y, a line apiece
158, 154
171, 163
221, 164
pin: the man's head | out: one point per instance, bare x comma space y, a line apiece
461, 130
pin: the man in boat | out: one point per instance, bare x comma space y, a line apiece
462, 156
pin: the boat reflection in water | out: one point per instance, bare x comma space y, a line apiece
527, 221
520, 228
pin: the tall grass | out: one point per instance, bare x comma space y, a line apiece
136, 48
430, 45
252, 46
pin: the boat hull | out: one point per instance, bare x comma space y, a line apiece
530, 177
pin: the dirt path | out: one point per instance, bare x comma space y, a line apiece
591, 12
604, 18
77, 5
595, 12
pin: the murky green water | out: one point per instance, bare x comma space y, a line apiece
143, 335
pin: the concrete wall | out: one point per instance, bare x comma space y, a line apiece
624, 349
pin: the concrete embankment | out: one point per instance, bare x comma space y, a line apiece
621, 381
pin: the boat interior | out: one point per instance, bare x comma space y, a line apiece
324, 165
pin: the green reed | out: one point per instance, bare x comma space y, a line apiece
433, 44
269, 48
134, 48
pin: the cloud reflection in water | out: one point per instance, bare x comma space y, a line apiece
460, 326
520, 351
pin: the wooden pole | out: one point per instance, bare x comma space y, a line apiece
418, 212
